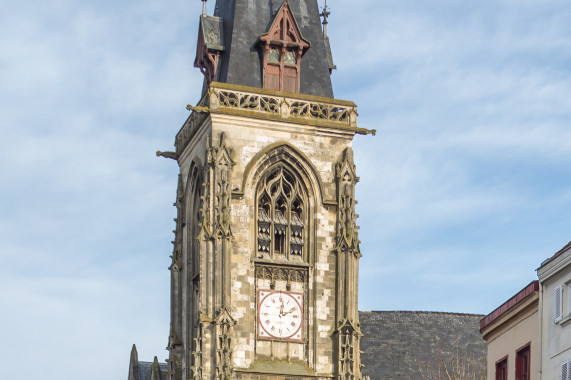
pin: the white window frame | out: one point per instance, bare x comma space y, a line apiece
568, 290
558, 303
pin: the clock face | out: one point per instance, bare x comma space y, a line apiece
280, 315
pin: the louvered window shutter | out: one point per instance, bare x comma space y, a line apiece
565, 370
569, 299
558, 303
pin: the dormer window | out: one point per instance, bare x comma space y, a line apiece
209, 47
282, 47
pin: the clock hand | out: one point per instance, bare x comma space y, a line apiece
291, 311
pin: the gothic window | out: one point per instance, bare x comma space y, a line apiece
282, 213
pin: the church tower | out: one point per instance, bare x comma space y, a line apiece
264, 270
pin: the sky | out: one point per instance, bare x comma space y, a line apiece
464, 191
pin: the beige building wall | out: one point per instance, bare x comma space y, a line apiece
555, 331
511, 330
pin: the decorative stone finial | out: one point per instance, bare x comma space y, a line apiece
325, 14
204, 7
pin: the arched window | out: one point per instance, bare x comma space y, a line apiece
281, 217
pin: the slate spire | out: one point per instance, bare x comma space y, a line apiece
325, 14
230, 51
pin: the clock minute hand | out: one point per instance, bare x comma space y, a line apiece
287, 312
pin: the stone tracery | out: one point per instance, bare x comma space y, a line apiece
281, 215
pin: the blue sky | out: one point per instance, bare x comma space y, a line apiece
464, 191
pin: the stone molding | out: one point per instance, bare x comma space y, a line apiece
275, 273
267, 104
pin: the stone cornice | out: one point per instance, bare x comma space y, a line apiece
554, 266
224, 98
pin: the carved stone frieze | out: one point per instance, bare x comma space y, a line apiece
190, 127
348, 253
217, 193
196, 368
205, 210
224, 324
276, 273
176, 257
282, 106
347, 229
232, 99
246, 101
349, 364
222, 162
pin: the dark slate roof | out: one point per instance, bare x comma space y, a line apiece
145, 369
212, 30
245, 21
397, 344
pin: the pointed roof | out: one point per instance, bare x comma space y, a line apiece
275, 28
134, 364
156, 373
146, 370
244, 23
329, 54
211, 30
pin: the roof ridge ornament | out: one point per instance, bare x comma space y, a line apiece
325, 14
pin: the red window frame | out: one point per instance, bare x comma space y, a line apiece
522, 363
502, 369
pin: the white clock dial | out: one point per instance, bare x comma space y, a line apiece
280, 315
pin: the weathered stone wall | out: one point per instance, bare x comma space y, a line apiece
254, 145
247, 138
251, 376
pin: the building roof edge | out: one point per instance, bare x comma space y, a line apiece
518, 298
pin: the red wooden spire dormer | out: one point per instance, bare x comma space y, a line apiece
282, 49
209, 47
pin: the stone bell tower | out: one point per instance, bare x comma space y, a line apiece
266, 252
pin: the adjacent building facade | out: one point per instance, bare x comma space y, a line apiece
555, 316
511, 333
529, 336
